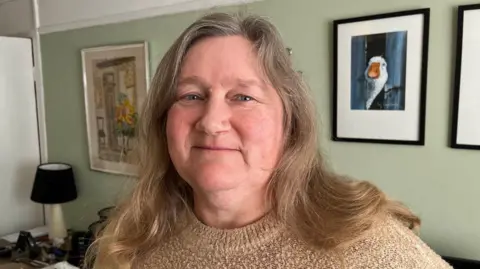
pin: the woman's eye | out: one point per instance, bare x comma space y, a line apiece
243, 98
191, 97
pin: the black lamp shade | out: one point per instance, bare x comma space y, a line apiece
54, 184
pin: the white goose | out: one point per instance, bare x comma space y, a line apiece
376, 76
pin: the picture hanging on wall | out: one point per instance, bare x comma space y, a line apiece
115, 81
380, 78
465, 131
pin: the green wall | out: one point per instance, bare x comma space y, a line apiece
439, 183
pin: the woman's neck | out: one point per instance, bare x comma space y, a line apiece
227, 210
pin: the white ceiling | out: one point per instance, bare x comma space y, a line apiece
5, 1
60, 15
16, 17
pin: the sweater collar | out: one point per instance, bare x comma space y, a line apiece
201, 237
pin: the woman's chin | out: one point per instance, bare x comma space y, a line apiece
219, 178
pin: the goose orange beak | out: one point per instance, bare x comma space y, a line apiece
374, 70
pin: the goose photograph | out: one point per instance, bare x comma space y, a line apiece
380, 77
378, 71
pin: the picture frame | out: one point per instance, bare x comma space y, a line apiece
115, 81
380, 67
465, 129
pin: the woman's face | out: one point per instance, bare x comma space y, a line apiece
224, 130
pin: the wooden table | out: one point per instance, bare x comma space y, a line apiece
7, 264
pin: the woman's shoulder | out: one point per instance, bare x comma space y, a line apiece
390, 244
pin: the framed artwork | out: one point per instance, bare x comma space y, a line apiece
116, 79
380, 78
465, 132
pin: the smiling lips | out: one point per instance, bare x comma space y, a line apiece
215, 148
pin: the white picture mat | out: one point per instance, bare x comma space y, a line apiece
371, 124
468, 130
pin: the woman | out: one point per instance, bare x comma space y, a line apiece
231, 175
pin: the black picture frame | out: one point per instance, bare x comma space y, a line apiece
457, 88
422, 83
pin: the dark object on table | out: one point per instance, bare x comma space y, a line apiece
26, 247
459, 263
80, 243
81, 240
105, 213
5, 252
5, 249
97, 227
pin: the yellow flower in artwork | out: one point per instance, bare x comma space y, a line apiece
125, 112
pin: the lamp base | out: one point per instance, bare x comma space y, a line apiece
56, 222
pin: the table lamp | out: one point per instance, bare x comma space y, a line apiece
54, 184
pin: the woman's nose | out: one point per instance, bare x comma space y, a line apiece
215, 116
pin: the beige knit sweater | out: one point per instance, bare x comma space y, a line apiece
265, 244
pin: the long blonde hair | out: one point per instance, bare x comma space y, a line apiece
320, 207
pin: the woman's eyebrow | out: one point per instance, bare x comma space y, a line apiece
250, 83
202, 84
194, 80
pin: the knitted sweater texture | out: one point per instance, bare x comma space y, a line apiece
265, 244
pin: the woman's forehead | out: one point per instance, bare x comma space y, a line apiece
229, 59
226, 51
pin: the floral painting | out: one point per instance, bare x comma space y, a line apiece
115, 84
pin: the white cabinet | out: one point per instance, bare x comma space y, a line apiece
19, 139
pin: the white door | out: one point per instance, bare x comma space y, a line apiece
19, 143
